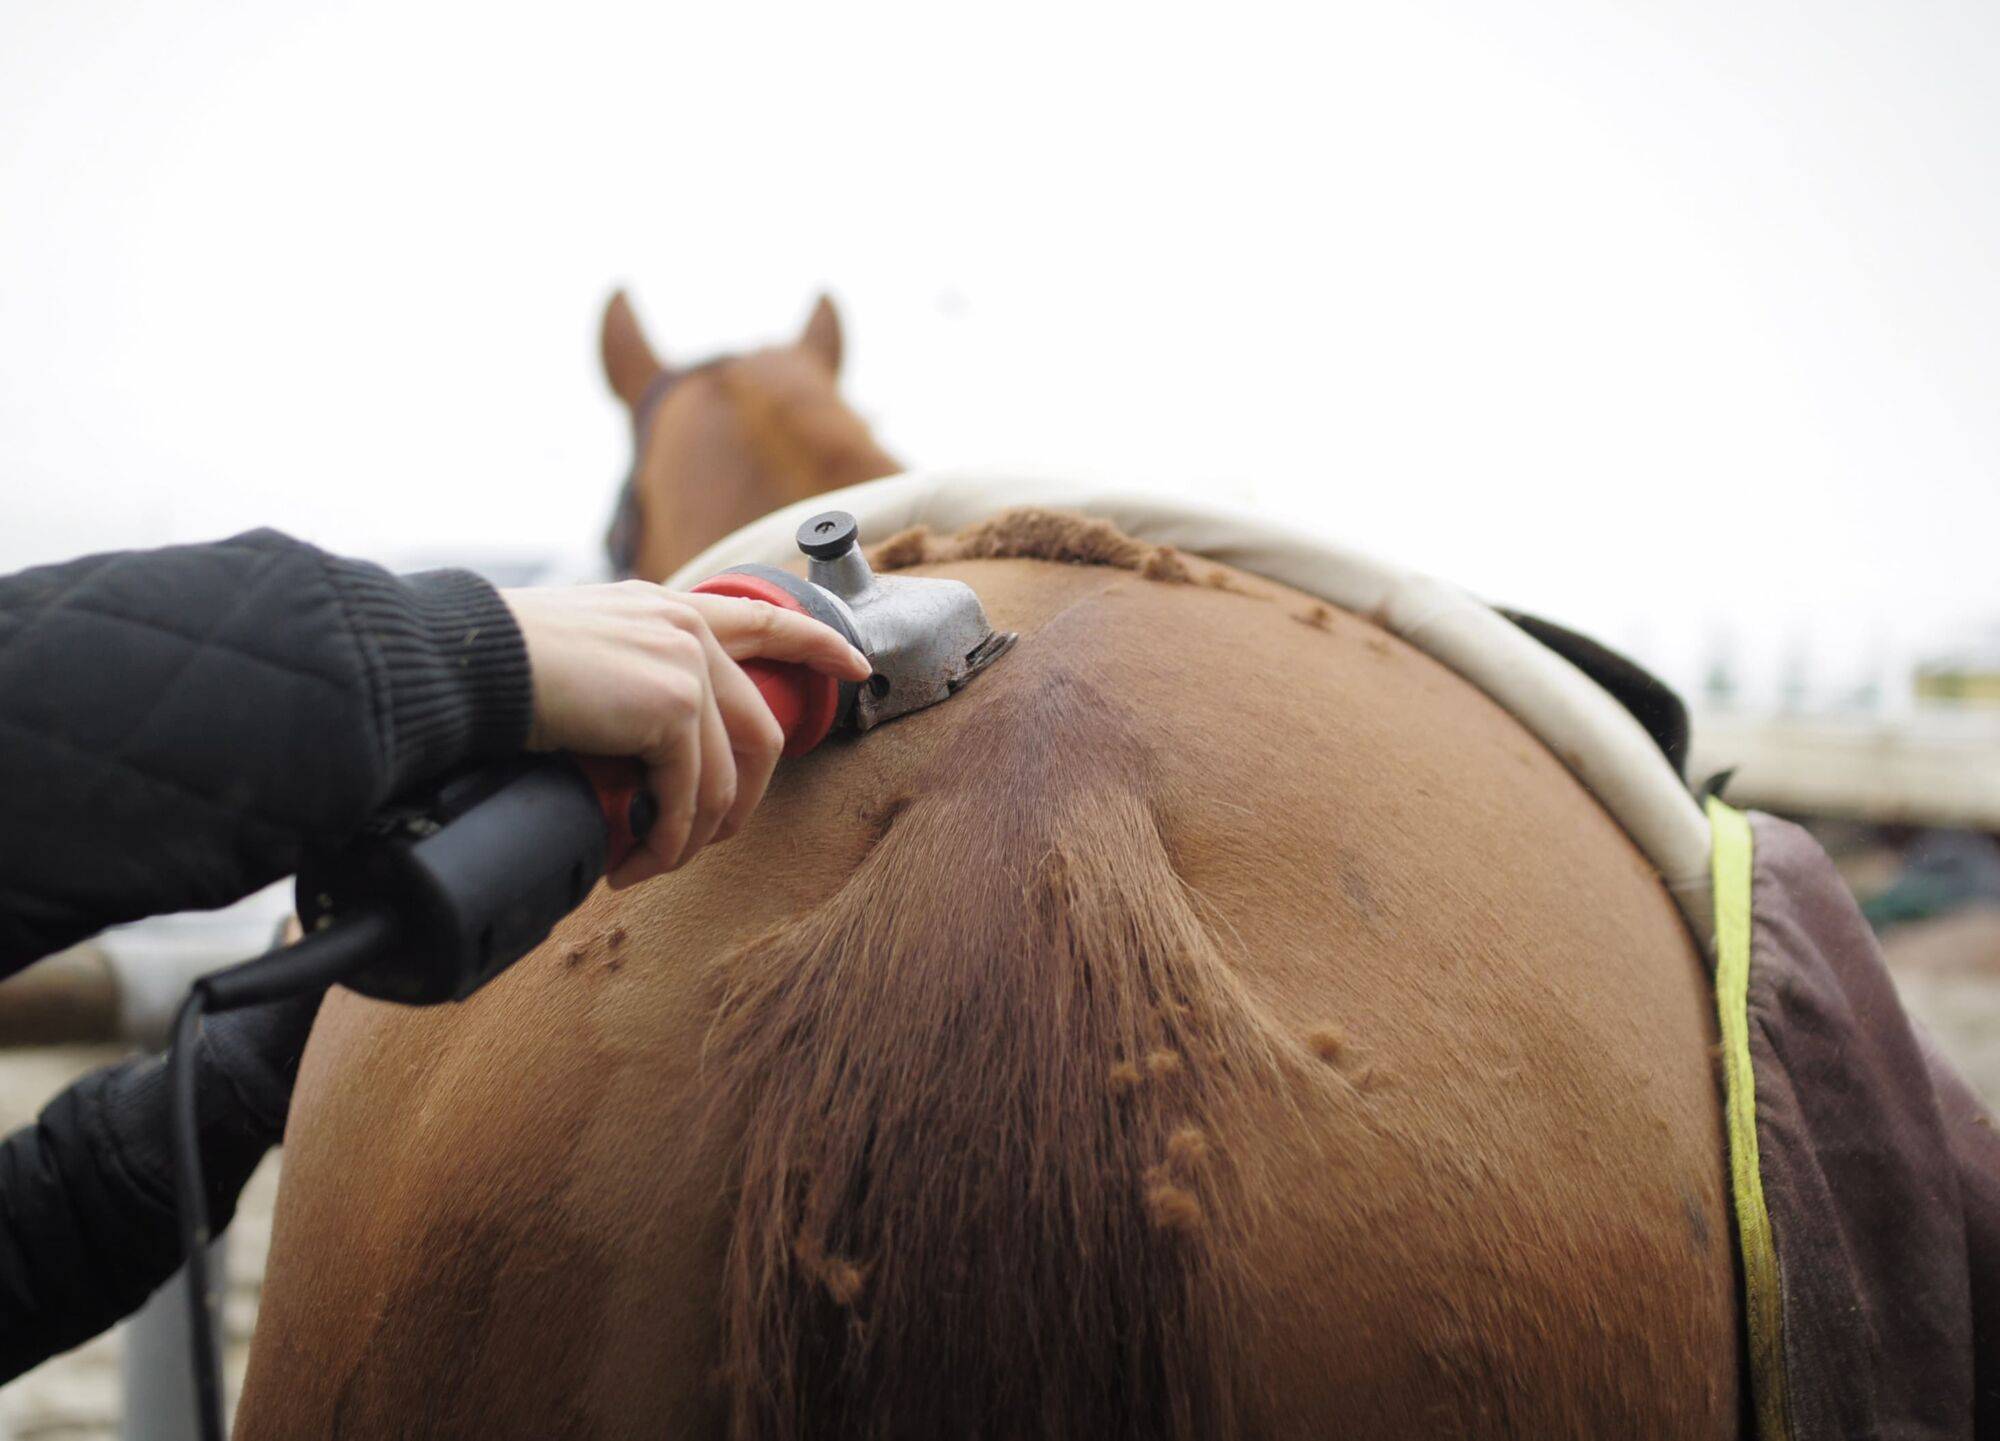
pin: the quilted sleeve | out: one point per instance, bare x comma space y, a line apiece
88, 1226
176, 725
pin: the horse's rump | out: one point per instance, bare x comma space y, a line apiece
1220, 1018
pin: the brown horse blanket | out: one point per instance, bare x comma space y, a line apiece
1881, 1175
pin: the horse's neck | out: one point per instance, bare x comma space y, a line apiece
800, 456
758, 461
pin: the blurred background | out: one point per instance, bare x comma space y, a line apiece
1677, 323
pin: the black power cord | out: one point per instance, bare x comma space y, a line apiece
193, 1206
313, 963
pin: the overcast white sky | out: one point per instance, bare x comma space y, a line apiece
1669, 319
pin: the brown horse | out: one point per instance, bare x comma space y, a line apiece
721, 443
1219, 1020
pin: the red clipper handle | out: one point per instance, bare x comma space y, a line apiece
803, 701
628, 806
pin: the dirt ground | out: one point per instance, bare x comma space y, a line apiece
1949, 972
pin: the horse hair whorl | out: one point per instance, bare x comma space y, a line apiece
986, 1186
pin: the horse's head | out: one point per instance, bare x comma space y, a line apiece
718, 444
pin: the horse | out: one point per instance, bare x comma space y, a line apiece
1219, 1020
719, 443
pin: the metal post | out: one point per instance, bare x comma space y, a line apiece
157, 1369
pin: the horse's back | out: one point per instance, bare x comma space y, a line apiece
1218, 1019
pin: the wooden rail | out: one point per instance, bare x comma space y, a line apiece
71, 997
1928, 770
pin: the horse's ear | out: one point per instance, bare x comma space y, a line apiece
822, 334
629, 362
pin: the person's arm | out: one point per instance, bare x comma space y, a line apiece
176, 725
87, 1222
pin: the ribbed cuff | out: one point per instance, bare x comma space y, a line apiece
454, 669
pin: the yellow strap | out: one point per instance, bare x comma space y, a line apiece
1763, 1301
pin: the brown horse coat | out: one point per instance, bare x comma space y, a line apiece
1219, 1019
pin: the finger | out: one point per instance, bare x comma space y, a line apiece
755, 738
673, 772
673, 781
637, 867
756, 628
715, 792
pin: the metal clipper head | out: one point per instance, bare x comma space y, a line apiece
925, 636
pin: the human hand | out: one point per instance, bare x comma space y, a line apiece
633, 669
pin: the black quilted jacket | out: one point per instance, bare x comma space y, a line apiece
175, 726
